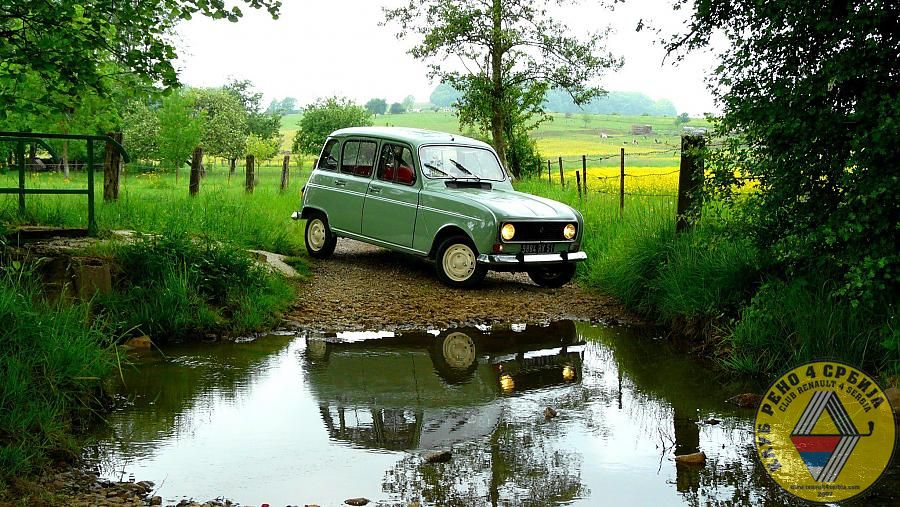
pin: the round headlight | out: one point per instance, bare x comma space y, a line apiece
507, 232
569, 231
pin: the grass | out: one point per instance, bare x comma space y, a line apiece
153, 202
51, 364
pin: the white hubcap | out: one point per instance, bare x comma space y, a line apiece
459, 351
316, 234
459, 262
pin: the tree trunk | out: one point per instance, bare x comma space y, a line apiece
196, 168
285, 172
111, 166
250, 174
498, 129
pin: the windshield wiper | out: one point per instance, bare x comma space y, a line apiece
434, 168
463, 169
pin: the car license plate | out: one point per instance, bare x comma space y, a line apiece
537, 248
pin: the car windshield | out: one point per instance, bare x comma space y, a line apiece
460, 162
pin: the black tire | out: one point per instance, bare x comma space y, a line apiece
552, 276
313, 223
468, 272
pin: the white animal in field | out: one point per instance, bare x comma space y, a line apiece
634, 141
603, 135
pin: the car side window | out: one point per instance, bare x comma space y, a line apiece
329, 158
396, 165
359, 158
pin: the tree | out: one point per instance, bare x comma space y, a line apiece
285, 106
225, 125
324, 117
586, 119
181, 128
70, 45
513, 52
262, 149
266, 125
682, 119
140, 131
408, 102
397, 108
444, 95
376, 106
810, 101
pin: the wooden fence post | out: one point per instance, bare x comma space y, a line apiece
690, 178
622, 183
112, 163
578, 182
250, 174
196, 162
562, 177
232, 162
549, 174
584, 173
285, 172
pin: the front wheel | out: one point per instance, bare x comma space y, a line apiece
552, 276
320, 241
457, 265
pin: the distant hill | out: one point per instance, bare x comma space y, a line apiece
558, 101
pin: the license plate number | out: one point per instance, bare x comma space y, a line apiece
537, 248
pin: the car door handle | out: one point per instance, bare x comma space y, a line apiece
340, 183
374, 190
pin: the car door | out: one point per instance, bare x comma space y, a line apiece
393, 197
350, 183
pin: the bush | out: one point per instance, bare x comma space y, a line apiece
174, 287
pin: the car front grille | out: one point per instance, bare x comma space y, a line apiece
539, 231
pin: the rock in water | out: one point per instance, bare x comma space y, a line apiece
746, 400
697, 458
549, 413
156, 500
356, 501
438, 457
141, 342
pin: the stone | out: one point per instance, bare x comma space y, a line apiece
141, 342
549, 413
356, 501
697, 458
156, 500
92, 277
746, 400
438, 457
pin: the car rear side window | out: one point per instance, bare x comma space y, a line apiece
329, 159
396, 165
359, 158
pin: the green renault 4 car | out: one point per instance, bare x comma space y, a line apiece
436, 195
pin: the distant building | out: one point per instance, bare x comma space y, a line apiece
641, 130
694, 131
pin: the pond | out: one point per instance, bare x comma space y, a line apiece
318, 419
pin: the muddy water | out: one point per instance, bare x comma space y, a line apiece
291, 420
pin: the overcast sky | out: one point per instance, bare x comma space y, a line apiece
335, 47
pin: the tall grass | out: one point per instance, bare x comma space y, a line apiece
51, 363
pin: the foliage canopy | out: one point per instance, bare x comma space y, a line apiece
324, 117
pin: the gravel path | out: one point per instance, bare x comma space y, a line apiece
365, 288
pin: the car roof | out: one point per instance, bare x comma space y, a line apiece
413, 136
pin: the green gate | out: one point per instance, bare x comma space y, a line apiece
22, 138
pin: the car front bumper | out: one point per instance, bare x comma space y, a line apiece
522, 261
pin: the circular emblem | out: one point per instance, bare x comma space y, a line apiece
825, 431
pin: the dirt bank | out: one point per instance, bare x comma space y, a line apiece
363, 287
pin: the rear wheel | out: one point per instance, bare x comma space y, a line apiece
552, 276
320, 241
456, 263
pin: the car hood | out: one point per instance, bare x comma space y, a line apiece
507, 204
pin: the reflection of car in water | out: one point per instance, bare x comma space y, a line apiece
421, 390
